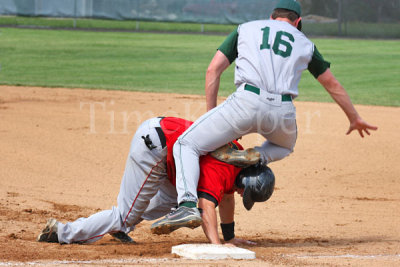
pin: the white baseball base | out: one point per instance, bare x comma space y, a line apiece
212, 252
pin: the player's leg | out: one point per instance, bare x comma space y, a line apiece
162, 203
144, 171
275, 121
226, 122
280, 130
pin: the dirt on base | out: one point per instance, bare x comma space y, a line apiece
63, 152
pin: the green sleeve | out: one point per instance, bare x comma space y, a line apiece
318, 65
229, 46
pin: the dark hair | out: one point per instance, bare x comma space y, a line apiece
284, 13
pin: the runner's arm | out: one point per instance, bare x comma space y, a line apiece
227, 208
210, 224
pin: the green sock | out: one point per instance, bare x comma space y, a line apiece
188, 204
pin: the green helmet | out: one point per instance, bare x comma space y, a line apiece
292, 5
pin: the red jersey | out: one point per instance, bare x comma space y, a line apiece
216, 177
172, 128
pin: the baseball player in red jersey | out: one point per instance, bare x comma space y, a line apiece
217, 186
147, 190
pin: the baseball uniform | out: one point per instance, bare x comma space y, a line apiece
219, 179
270, 57
147, 189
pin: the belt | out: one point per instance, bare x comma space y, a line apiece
147, 140
161, 135
257, 91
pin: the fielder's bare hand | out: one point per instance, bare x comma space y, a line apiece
361, 126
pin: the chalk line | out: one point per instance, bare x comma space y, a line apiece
90, 262
348, 256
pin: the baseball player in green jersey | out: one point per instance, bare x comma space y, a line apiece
270, 57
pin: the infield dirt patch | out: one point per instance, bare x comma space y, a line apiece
63, 152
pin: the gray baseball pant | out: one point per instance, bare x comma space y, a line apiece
145, 193
242, 113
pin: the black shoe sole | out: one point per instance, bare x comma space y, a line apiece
169, 228
49, 234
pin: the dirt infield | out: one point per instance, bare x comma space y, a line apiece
63, 152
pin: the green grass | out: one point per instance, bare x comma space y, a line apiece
177, 63
368, 69
113, 24
354, 29
107, 60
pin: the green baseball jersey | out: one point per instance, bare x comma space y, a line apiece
272, 55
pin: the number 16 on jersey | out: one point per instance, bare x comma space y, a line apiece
280, 46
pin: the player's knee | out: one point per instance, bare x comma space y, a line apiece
182, 143
125, 220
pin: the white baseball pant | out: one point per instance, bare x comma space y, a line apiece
242, 113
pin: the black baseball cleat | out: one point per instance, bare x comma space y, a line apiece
238, 158
122, 237
180, 217
49, 233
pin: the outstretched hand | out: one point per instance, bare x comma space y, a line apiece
361, 126
241, 242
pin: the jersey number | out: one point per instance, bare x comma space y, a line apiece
279, 43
